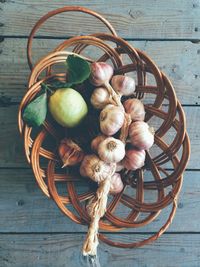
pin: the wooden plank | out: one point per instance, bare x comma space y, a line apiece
179, 61
59, 250
12, 155
138, 19
24, 208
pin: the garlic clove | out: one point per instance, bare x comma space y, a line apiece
135, 108
111, 150
70, 153
111, 119
96, 141
141, 135
101, 73
96, 169
134, 159
100, 98
116, 185
123, 84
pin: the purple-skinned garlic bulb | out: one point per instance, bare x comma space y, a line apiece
101, 73
116, 185
135, 108
141, 135
124, 85
134, 159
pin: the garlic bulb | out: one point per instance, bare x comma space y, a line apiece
140, 135
123, 84
101, 73
135, 108
119, 166
96, 141
92, 166
111, 150
100, 98
134, 159
70, 153
116, 185
111, 119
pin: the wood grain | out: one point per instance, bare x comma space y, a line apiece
132, 19
24, 208
65, 250
34, 233
180, 61
12, 155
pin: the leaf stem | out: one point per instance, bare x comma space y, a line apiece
46, 87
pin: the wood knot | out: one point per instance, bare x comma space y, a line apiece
20, 202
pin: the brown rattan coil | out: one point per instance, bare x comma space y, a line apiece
165, 162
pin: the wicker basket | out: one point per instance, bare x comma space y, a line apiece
166, 165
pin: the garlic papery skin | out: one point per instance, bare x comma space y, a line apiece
116, 184
140, 135
101, 73
111, 150
134, 159
100, 98
70, 153
96, 141
120, 166
135, 108
123, 84
111, 119
96, 169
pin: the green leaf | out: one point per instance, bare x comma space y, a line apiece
35, 112
78, 69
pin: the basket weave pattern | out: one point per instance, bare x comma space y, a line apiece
164, 106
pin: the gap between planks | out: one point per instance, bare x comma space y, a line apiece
110, 233
125, 38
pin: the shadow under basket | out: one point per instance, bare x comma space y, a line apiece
147, 191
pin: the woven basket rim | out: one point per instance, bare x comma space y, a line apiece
173, 118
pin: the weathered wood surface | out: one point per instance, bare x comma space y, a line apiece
11, 145
180, 61
132, 19
44, 250
24, 208
34, 232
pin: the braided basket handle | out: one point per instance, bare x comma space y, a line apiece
58, 11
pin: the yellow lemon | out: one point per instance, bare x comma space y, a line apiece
67, 107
